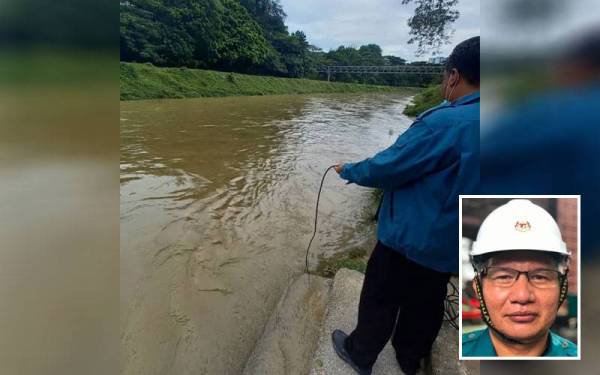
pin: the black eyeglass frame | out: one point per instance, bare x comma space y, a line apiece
485, 270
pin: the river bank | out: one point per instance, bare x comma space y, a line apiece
145, 81
427, 98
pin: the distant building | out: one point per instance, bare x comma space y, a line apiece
437, 60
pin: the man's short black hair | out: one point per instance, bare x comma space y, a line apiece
584, 50
465, 59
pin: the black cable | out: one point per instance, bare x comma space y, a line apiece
451, 301
451, 306
316, 216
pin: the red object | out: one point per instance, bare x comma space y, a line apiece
471, 309
473, 302
471, 315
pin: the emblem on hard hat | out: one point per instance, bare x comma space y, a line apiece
522, 225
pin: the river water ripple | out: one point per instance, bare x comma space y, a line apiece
217, 205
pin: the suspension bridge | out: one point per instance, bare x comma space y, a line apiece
383, 69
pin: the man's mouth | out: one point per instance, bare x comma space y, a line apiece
522, 317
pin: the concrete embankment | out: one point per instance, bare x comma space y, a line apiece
297, 338
290, 336
145, 81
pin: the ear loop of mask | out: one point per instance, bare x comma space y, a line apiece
451, 91
564, 286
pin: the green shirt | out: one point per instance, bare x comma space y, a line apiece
479, 344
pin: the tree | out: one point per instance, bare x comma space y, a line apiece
218, 34
268, 13
293, 49
370, 54
430, 25
394, 60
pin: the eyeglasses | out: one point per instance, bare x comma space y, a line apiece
506, 277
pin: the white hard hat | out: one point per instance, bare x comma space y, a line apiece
519, 225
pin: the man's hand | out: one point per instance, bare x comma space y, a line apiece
338, 168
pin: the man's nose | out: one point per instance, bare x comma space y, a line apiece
522, 291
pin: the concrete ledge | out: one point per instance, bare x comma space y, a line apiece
444, 355
342, 313
290, 336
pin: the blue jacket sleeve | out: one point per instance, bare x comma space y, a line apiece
416, 153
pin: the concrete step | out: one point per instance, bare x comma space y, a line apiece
290, 336
342, 314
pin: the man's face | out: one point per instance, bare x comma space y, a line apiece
522, 311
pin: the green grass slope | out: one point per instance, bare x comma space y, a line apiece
145, 81
430, 97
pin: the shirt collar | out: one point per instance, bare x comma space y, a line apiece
466, 99
556, 346
485, 346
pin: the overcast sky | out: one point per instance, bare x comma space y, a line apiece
329, 24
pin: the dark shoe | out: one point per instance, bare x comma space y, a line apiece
339, 338
409, 366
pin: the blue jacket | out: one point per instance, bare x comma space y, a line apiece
479, 344
422, 174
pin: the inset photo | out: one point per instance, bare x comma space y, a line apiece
519, 276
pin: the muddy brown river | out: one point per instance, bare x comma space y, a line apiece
217, 207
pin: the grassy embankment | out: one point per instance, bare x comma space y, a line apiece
145, 81
424, 100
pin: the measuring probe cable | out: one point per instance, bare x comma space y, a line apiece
316, 217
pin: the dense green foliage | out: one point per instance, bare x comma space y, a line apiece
292, 58
194, 33
244, 36
426, 99
144, 81
247, 36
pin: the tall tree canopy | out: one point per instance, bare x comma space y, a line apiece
247, 36
268, 13
430, 26
196, 33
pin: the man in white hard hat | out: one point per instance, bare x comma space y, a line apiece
521, 265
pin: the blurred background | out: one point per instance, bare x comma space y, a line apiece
564, 211
540, 63
59, 190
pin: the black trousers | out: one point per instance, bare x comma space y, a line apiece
399, 298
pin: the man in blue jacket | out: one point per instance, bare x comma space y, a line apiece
421, 174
